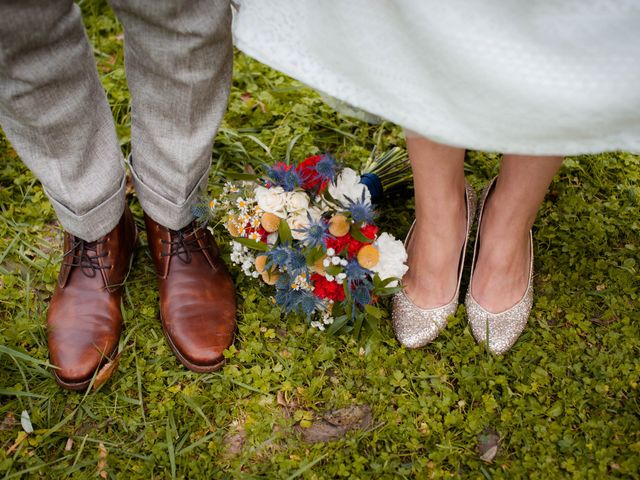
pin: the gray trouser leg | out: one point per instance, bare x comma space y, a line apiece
54, 111
178, 56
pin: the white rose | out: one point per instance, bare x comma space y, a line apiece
347, 185
271, 200
393, 257
300, 220
296, 201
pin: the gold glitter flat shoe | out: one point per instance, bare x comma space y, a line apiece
499, 331
414, 326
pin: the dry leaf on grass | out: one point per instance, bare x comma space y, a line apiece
21, 437
488, 442
106, 372
335, 424
69, 445
102, 460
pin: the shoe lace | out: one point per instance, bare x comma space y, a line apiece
79, 255
183, 243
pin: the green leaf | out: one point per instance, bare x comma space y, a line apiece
253, 244
284, 233
356, 233
383, 292
333, 270
314, 255
378, 283
337, 324
357, 324
373, 311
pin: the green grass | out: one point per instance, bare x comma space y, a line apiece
564, 401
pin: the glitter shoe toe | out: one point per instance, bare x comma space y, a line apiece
414, 326
499, 331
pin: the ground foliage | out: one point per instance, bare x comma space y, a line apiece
562, 403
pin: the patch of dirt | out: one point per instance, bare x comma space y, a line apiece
335, 424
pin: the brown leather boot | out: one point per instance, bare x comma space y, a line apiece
197, 295
84, 319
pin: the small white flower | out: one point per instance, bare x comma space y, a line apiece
318, 325
335, 260
326, 262
344, 262
241, 203
331, 252
393, 257
327, 319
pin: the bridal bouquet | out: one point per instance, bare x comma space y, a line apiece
308, 230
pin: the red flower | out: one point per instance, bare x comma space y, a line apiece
338, 243
353, 245
310, 178
369, 231
323, 288
263, 233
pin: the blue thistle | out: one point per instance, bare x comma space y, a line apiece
284, 176
327, 168
307, 303
315, 233
297, 263
362, 293
277, 257
293, 261
295, 300
355, 272
291, 180
284, 282
361, 209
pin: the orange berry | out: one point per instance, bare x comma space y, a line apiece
339, 226
270, 277
261, 262
269, 222
368, 256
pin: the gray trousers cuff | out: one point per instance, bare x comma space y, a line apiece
165, 212
98, 221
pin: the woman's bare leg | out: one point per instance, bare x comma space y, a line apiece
502, 268
434, 249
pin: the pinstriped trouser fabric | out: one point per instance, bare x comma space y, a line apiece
53, 109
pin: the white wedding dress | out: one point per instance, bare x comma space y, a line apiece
517, 76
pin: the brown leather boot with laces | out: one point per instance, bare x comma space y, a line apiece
84, 320
197, 295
